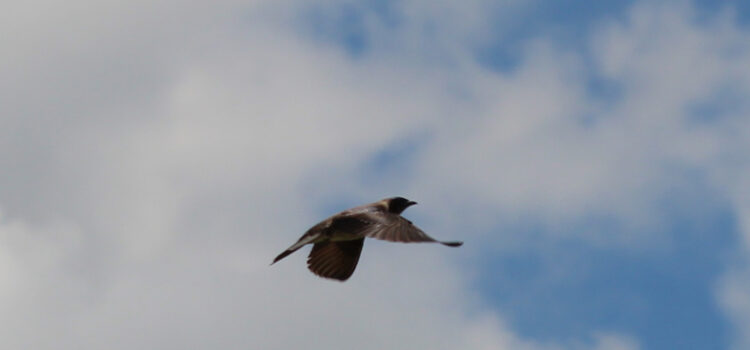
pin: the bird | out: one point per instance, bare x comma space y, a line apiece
337, 241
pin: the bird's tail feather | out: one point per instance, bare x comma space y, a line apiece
283, 255
302, 241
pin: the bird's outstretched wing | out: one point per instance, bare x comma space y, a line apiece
385, 226
336, 260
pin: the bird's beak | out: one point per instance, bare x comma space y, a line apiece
411, 203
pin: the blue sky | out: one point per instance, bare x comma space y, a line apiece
665, 295
593, 157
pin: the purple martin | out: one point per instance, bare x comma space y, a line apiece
337, 241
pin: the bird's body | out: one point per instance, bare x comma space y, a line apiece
337, 241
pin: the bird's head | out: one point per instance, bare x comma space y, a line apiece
397, 205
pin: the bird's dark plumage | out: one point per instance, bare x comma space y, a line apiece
335, 260
337, 241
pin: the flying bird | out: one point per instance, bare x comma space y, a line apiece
337, 241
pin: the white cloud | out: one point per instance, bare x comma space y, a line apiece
734, 296
176, 145
606, 341
539, 142
733, 289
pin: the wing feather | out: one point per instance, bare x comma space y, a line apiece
336, 260
389, 227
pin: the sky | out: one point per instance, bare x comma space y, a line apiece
157, 155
